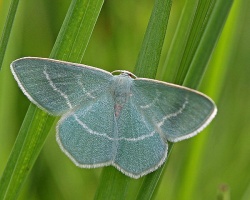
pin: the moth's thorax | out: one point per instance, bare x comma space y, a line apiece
121, 91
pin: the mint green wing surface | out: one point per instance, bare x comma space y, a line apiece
87, 135
58, 86
140, 148
176, 112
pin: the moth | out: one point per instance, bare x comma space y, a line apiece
119, 120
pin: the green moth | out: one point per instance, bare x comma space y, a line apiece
107, 119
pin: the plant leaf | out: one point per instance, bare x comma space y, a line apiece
35, 128
7, 29
147, 64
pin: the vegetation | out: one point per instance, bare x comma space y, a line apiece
206, 47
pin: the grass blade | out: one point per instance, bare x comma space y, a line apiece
147, 64
189, 180
180, 40
113, 185
149, 56
7, 29
37, 123
151, 182
77, 28
208, 41
5, 178
180, 75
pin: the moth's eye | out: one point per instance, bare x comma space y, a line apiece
132, 75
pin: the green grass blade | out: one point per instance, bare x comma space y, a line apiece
32, 137
77, 29
5, 179
113, 185
195, 38
213, 88
202, 15
147, 64
179, 42
177, 74
208, 41
151, 182
7, 29
37, 123
186, 39
182, 50
149, 56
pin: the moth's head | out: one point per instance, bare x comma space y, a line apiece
124, 73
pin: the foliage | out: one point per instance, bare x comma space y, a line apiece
194, 48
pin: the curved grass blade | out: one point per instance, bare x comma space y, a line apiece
208, 41
7, 29
150, 184
147, 64
189, 180
179, 42
37, 124
149, 55
190, 81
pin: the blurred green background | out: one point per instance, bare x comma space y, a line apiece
222, 158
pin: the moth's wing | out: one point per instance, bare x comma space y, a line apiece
87, 136
57, 86
140, 149
177, 112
